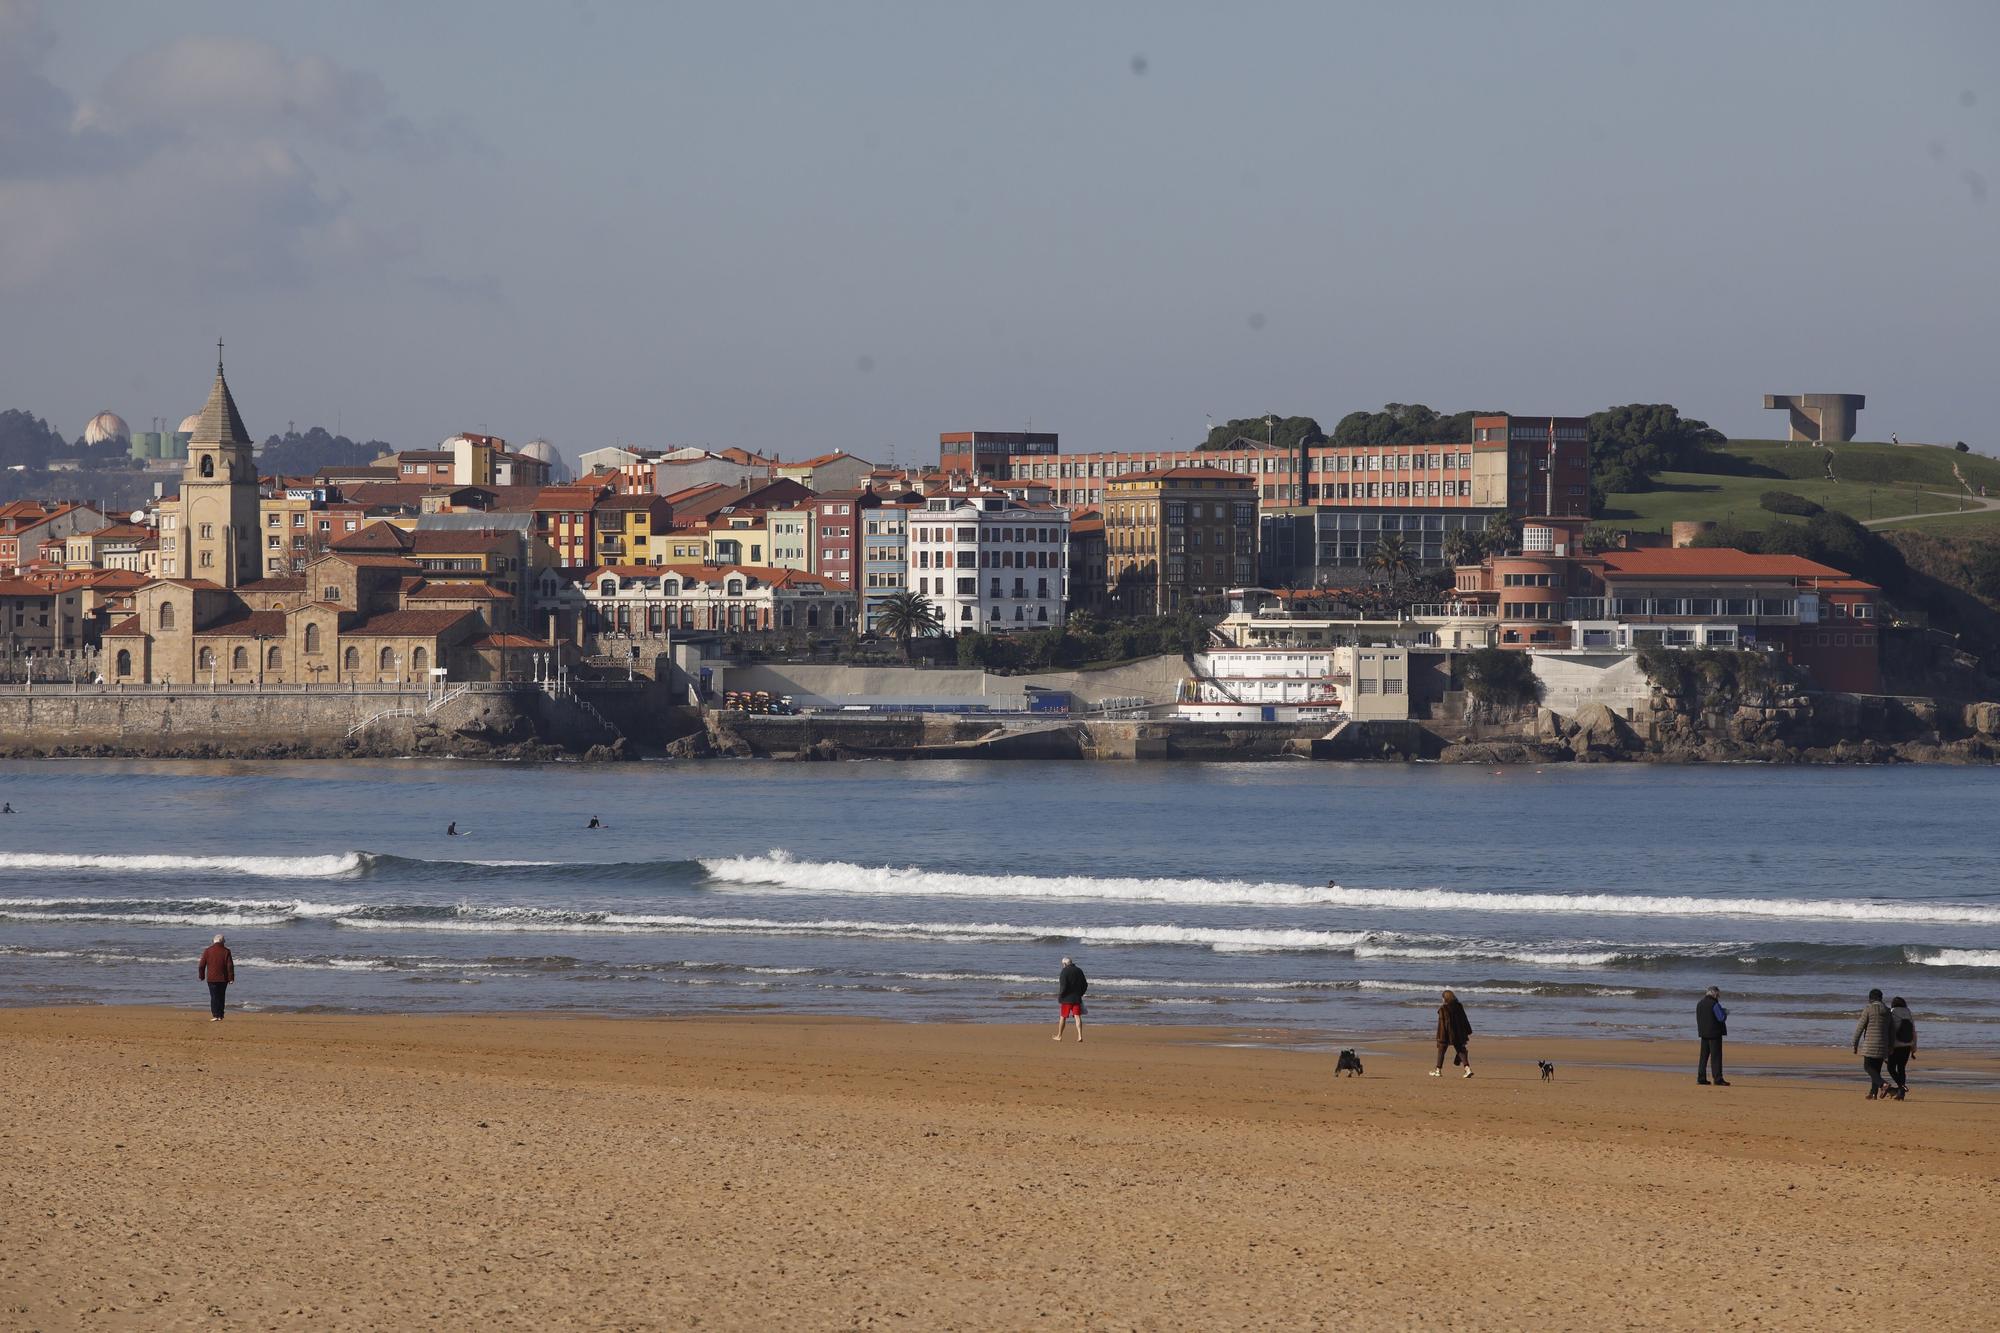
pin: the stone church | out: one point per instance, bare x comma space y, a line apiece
353, 618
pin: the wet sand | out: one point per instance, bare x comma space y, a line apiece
293, 1170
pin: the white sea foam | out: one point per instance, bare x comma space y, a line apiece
1955, 957
333, 866
781, 871
1488, 950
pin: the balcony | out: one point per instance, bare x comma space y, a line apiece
1451, 611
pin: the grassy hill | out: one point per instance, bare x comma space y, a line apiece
1868, 481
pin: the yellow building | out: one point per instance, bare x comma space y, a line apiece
628, 529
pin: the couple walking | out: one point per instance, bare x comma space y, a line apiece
1886, 1037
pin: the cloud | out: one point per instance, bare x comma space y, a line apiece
215, 159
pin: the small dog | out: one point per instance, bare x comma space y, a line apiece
1548, 1071
1349, 1063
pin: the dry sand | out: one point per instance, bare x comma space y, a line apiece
310, 1171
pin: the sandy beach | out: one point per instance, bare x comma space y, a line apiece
296, 1170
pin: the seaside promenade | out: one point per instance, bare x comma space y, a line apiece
347, 1172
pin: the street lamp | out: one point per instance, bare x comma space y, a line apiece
262, 639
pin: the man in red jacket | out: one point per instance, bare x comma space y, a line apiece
218, 969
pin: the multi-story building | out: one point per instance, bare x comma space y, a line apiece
788, 535
652, 602
989, 562
565, 519
885, 556
1553, 595
837, 471
26, 524
991, 454
836, 545
628, 529
1177, 535
1088, 562
38, 618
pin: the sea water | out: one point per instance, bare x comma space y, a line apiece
1335, 900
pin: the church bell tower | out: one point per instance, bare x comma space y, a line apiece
219, 493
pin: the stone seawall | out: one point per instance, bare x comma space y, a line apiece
942, 736
272, 723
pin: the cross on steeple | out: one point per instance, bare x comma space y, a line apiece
218, 356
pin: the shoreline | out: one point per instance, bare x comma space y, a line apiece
1791, 1058
763, 1171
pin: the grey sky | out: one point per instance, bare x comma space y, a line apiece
812, 226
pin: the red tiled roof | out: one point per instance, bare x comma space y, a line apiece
402, 623
376, 536
484, 592
128, 626
248, 625
1716, 562
277, 583
432, 541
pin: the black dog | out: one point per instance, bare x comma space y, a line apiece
1348, 1063
1548, 1071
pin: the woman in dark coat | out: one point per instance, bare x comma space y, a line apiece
1454, 1030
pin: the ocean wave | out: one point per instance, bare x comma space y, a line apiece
782, 871
334, 866
1954, 957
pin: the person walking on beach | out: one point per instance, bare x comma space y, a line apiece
1454, 1031
1905, 1045
1711, 1025
1070, 986
1874, 1038
218, 968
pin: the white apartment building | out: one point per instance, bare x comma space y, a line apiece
989, 562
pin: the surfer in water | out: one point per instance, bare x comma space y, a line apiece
451, 829
595, 822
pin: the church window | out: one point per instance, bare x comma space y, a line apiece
166, 615
207, 531
206, 661
273, 659
351, 660
124, 667
207, 560
207, 466
420, 660
386, 660
240, 660
312, 639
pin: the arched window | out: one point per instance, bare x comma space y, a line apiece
312, 639
839, 616
420, 660
670, 587
351, 659
736, 587
273, 659
206, 660
240, 659
166, 615
124, 667
812, 617
385, 660
608, 587
207, 465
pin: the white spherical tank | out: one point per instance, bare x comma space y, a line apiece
547, 453
105, 428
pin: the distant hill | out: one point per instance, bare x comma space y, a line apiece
1869, 481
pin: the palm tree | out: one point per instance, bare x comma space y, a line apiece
1460, 548
905, 616
1392, 557
1498, 536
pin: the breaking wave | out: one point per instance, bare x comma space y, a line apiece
335, 866
779, 870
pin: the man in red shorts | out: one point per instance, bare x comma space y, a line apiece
1070, 987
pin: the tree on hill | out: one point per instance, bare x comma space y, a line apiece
1279, 432
27, 440
1405, 423
1629, 444
297, 455
1829, 537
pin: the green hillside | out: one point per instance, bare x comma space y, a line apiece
1868, 481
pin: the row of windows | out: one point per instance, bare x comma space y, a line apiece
1001, 559
973, 534
1530, 611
